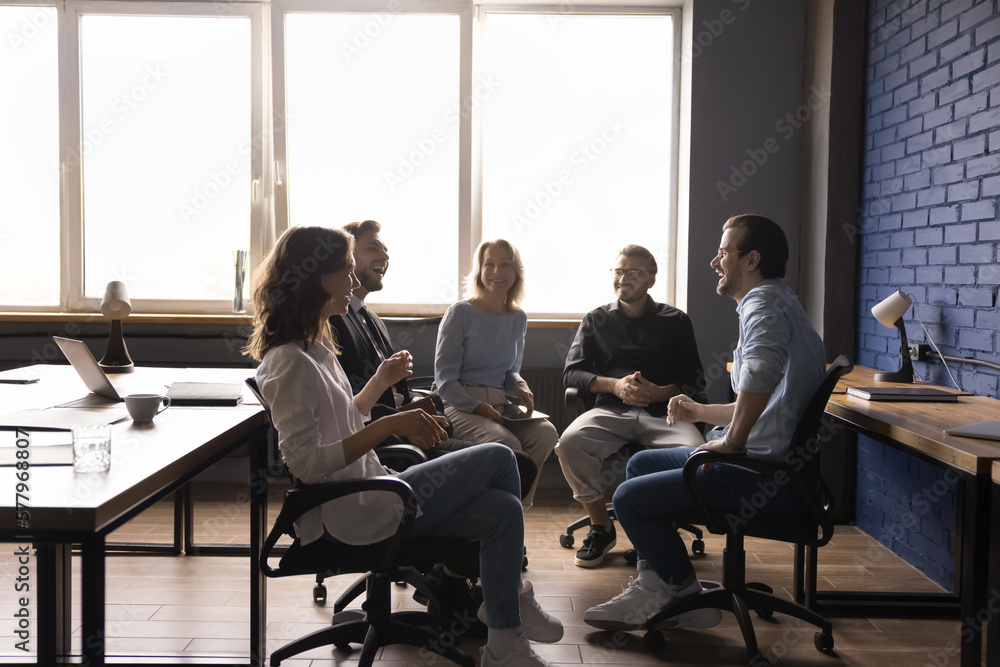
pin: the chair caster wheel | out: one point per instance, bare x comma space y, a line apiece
823, 642
346, 648
766, 614
566, 541
698, 547
319, 594
631, 557
654, 640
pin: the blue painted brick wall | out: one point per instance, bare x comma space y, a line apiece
931, 177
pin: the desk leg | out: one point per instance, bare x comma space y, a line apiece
993, 625
93, 641
973, 569
258, 528
55, 595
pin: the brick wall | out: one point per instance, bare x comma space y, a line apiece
928, 226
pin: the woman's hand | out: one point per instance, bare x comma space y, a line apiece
524, 395
486, 410
394, 369
682, 408
419, 428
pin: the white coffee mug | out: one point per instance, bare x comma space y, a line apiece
143, 407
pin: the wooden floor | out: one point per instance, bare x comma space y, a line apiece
199, 606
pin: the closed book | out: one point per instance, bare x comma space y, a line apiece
902, 394
205, 393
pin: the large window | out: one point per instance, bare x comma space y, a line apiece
451, 127
373, 133
150, 140
29, 173
577, 148
134, 151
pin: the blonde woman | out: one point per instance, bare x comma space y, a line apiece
477, 363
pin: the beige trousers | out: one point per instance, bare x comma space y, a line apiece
536, 438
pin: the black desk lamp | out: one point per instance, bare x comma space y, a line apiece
116, 306
890, 313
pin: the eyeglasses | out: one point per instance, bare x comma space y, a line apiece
632, 274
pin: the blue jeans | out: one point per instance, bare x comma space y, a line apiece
654, 496
475, 494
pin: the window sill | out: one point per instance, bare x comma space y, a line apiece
149, 318
135, 318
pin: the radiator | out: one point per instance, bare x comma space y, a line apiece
546, 384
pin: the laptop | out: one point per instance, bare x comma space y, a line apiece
985, 430
83, 362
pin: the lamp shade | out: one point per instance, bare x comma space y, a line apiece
892, 308
115, 304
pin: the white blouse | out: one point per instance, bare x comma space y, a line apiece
313, 410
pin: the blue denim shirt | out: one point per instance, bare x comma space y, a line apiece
780, 353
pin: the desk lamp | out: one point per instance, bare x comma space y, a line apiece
116, 306
890, 313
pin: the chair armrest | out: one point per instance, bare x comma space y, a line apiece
781, 474
300, 500
399, 456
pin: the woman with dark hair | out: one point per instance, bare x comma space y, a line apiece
471, 494
477, 362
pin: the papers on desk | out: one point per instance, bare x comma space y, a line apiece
927, 394
47, 448
59, 419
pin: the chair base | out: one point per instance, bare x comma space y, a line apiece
740, 601
354, 627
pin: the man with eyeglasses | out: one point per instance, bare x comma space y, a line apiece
634, 355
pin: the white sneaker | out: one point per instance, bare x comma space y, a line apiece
537, 625
644, 597
521, 655
629, 609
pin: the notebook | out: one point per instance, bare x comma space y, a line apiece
205, 393
902, 394
985, 430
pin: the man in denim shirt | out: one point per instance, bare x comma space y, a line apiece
778, 365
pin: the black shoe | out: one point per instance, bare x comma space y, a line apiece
598, 543
457, 603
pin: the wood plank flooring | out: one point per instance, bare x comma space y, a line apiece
199, 606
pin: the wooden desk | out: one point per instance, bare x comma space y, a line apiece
917, 429
149, 461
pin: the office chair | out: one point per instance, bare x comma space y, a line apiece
578, 402
810, 527
396, 456
396, 558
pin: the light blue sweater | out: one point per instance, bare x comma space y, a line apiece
477, 349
